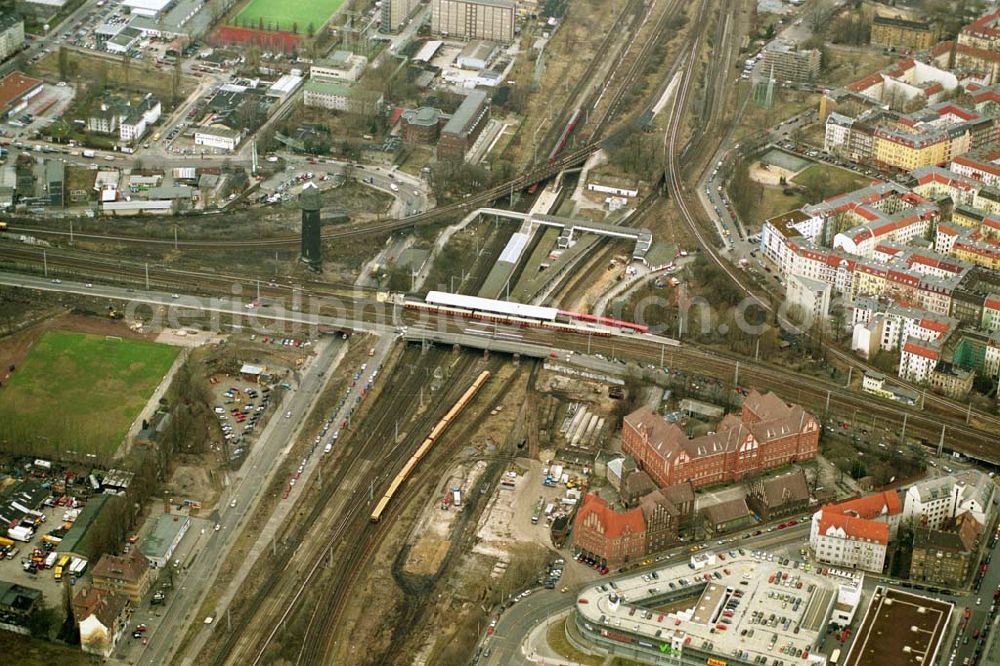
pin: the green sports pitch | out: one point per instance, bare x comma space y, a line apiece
286, 14
78, 393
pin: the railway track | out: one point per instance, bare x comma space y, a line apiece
810, 391
457, 209
300, 546
579, 98
321, 632
634, 69
93, 265
328, 529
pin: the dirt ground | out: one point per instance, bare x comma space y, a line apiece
433, 534
193, 479
770, 175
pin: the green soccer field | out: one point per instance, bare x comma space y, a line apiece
286, 14
77, 393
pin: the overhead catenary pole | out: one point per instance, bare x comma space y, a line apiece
147, 276
45, 264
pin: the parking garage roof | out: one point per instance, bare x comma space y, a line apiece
745, 595
900, 629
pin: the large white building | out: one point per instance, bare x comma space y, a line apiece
217, 136
918, 359
811, 297
149, 8
341, 66
932, 502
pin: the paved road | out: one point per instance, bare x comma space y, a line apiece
411, 193
964, 644
236, 503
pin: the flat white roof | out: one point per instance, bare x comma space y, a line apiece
491, 305
515, 246
778, 607
148, 5
285, 85
428, 50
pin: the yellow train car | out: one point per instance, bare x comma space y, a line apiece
426, 445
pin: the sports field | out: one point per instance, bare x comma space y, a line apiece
76, 392
284, 14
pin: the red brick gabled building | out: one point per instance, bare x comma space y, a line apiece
767, 434
611, 536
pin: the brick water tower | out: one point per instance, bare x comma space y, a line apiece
311, 249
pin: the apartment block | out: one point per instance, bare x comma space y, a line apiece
789, 63
490, 20
11, 34
896, 32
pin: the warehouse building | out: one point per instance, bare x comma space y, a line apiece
15, 91
880, 640
160, 544
464, 127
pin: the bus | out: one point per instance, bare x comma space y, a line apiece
61, 566
835, 657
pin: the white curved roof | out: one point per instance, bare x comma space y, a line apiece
490, 305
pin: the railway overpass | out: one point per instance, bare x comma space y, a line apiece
649, 354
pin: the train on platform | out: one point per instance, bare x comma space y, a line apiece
511, 314
606, 321
426, 445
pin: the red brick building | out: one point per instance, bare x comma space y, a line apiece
767, 434
604, 533
616, 537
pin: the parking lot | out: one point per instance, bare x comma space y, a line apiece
242, 408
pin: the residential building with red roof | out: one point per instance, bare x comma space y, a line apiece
983, 33
768, 433
918, 359
855, 534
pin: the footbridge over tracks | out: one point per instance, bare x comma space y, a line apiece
643, 237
